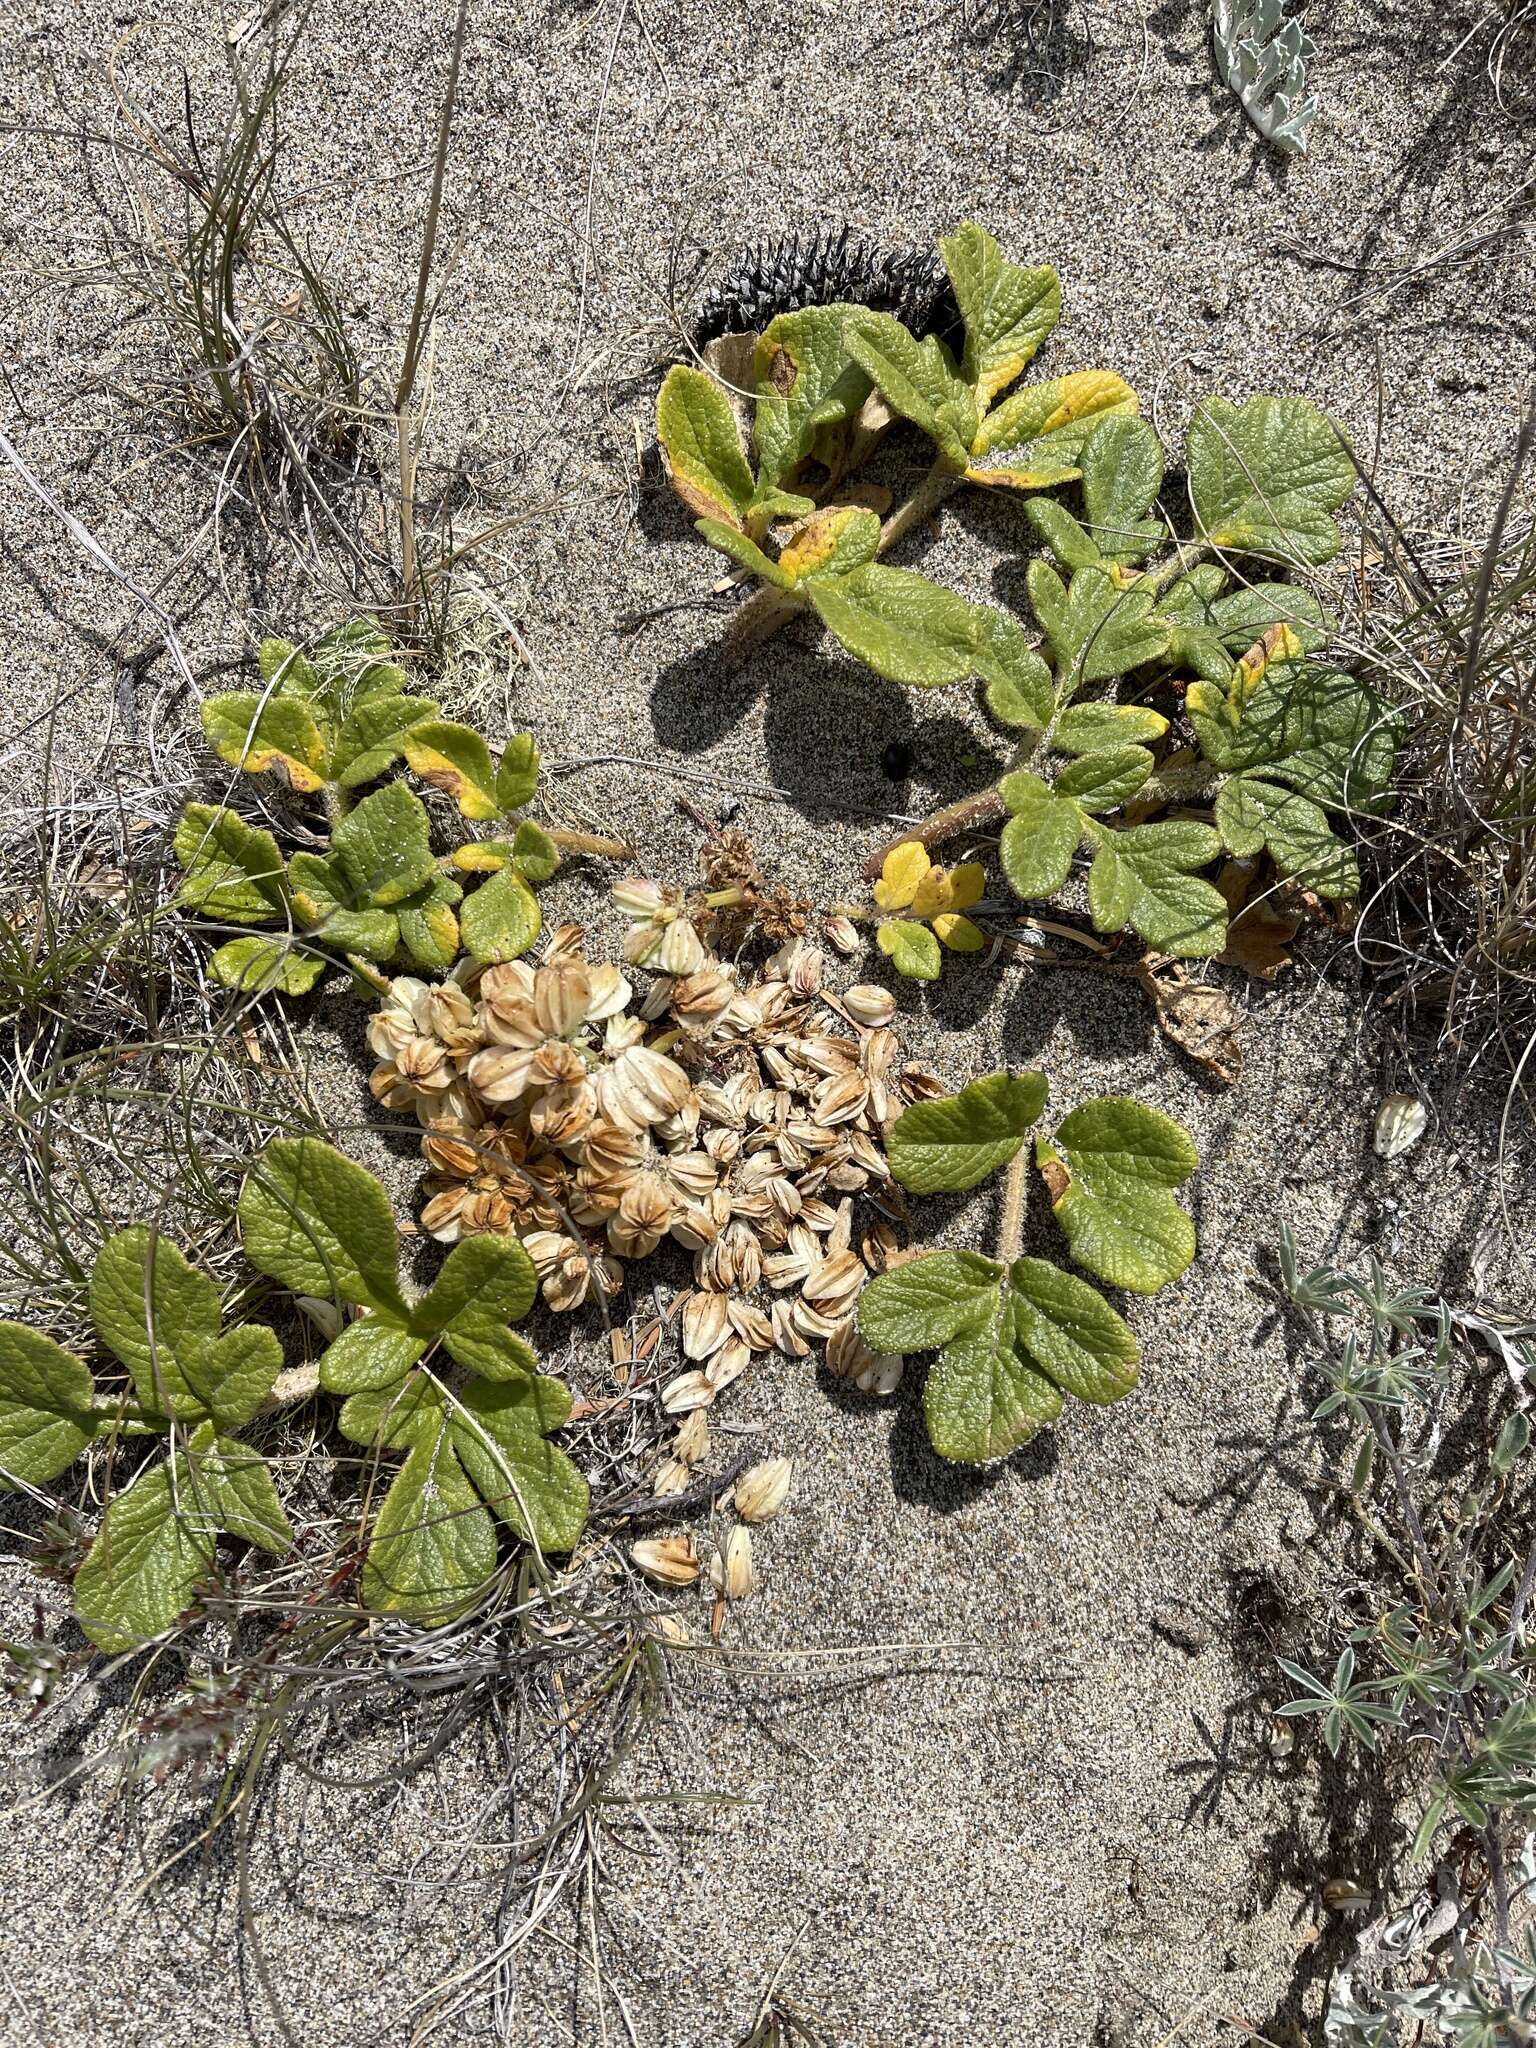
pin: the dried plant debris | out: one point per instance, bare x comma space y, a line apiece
735, 1118
1262, 55
832, 267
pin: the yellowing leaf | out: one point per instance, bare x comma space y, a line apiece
901, 875
454, 758
932, 894
967, 884
1008, 310
701, 447
958, 933
841, 538
258, 733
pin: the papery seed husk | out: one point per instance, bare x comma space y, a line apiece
691, 1443
671, 1560
804, 975
878, 1246
672, 1475
918, 1085
706, 1325
749, 1323
688, 1390
840, 1098
566, 942
728, 1363
811, 1322
842, 933
847, 1178
1400, 1123
850, 1358
786, 1337
867, 1003
762, 1489
636, 895
730, 1570
834, 1285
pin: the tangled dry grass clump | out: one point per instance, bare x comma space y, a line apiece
1450, 930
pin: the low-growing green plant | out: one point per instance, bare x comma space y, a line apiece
330, 722
440, 1377
1016, 1334
1442, 1671
1276, 745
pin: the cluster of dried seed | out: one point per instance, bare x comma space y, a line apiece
738, 1121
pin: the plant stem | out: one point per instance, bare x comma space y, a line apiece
590, 842
768, 611
1015, 1206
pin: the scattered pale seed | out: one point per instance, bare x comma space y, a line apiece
762, 1488
670, 1560
688, 1390
730, 1570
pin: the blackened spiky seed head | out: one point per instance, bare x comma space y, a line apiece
824, 269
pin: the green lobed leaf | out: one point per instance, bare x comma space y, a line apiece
910, 947
353, 663
162, 1319
1067, 539
536, 854
233, 871
1265, 478
954, 1142
45, 1407
805, 379
321, 1224
454, 758
1086, 728
257, 733
262, 966
375, 1352
286, 672
1019, 686
1095, 629
517, 772
1106, 778
1008, 310
1040, 838
1122, 466
902, 625
383, 847
1255, 815
501, 918
922, 1303
156, 1540
432, 1545
1039, 436
429, 924
702, 447
486, 1282
1110, 1171
500, 1433
917, 379
373, 736
1142, 877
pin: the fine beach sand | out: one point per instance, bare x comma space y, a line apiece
1000, 1739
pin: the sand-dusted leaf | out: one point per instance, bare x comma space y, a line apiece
1041, 835
429, 924
286, 672
485, 1283
500, 1432
1095, 630
1110, 1171
701, 446
535, 853
1122, 466
501, 918
831, 542
353, 663
257, 733
517, 772
1086, 728
321, 1224
432, 1545
45, 1407
1144, 877
374, 734
1018, 680
1318, 729
336, 912
910, 947
1265, 478
917, 379
1067, 538
383, 847
743, 551
454, 758
923, 1302
259, 966
956, 1141
1008, 310
1039, 436
234, 872
898, 622
1105, 778
156, 1540
161, 1317
805, 379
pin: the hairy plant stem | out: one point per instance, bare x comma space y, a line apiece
590, 842
768, 611
1015, 1207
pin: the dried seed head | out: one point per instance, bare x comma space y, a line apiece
691, 1443
672, 1475
706, 1324
689, 1390
761, 1490
841, 933
670, 1560
868, 1003
786, 1337
730, 1570
833, 1286
850, 1358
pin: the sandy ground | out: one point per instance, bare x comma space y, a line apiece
1030, 1801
